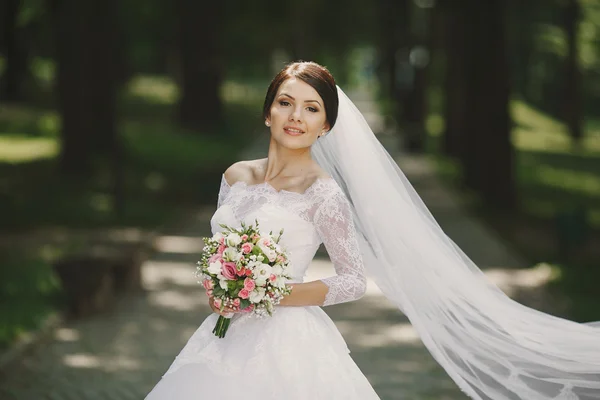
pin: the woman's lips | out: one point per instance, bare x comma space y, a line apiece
293, 131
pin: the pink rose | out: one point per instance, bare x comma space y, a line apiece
272, 278
255, 237
250, 308
208, 284
217, 303
236, 302
215, 257
241, 272
280, 259
228, 270
248, 272
222, 240
247, 247
221, 249
209, 293
244, 293
244, 237
249, 284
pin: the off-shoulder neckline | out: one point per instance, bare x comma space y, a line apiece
272, 188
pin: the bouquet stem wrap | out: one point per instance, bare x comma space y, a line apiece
222, 325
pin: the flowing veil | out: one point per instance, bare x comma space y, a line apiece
490, 345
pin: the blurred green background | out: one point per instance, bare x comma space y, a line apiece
125, 113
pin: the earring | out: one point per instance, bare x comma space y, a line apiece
267, 123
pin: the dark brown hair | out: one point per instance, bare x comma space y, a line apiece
316, 76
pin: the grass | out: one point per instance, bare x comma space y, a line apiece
21, 148
554, 177
29, 291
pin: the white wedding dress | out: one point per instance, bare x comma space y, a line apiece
298, 353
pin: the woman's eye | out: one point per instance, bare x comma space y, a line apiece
284, 103
312, 109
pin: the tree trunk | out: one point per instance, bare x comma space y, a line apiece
455, 110
571, 100
200, 105
488, 159
72, 55
102, 74
396, 71
13, 44
303, 33
522, 41
418, 53
86, 81
388, 46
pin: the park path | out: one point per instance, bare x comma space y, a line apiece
121, 355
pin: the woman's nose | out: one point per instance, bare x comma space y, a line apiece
296, 114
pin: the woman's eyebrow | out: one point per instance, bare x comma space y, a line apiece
306, 101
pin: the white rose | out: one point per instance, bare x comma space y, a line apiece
269, 307
262, 273
270, 253
277, 269
233, 239
223, 284
280, 282
217, 236
257, 295
215, 267
231, 254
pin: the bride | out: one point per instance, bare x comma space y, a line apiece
328, 180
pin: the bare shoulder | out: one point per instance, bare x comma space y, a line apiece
242, 171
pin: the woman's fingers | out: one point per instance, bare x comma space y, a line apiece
226, 309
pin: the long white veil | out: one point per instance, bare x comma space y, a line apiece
490, 345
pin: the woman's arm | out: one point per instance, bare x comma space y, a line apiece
335, 225
306, 294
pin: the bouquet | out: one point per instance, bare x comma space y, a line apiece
244, 269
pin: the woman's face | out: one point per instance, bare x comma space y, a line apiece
297, 115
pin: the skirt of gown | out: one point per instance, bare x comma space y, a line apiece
298, 353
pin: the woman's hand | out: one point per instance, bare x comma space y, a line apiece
227, 310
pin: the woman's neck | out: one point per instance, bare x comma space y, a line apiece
283, 162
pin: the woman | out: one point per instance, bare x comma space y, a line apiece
344, 190
297, 353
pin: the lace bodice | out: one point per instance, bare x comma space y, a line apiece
319, 215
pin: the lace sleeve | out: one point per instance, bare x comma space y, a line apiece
223, 191
334, 223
